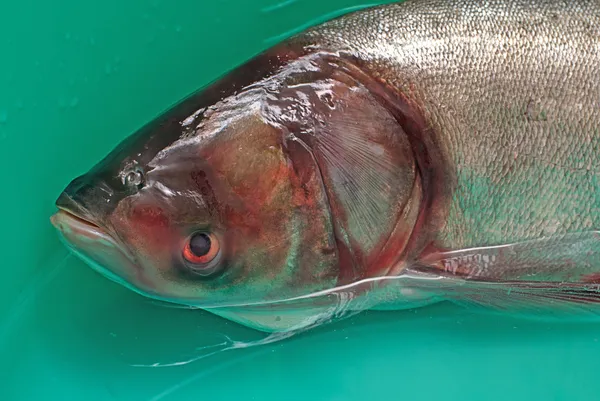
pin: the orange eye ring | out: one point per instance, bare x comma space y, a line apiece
201, 248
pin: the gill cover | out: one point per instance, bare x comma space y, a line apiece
364, 158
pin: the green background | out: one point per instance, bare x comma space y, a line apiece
77, 77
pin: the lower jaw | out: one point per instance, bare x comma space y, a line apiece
95, 247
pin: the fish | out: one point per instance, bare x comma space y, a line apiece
394, 157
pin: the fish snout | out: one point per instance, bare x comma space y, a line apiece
86, 198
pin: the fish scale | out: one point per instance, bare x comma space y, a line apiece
475, 67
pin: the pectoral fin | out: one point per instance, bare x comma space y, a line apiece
550, 277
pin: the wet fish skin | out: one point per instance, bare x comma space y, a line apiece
512, 91
394, 133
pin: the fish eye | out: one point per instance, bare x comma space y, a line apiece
202, 253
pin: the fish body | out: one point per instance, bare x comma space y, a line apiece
511, 90
454, 145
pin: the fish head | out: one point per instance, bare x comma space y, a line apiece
220, 216
294, 183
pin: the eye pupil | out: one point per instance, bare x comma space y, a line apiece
200, 244
202, 255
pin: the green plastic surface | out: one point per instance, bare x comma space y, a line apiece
75, 78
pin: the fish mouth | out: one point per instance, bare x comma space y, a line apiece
64, 213
66, 221
70, 208
92, 243
76, 224
72, 218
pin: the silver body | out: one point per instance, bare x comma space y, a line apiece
512, 89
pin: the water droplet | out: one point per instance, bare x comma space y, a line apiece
68, 35
178, 28
74, 102
20, 104
107, 69
145, 16
3, 116
117, 59
92, 41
